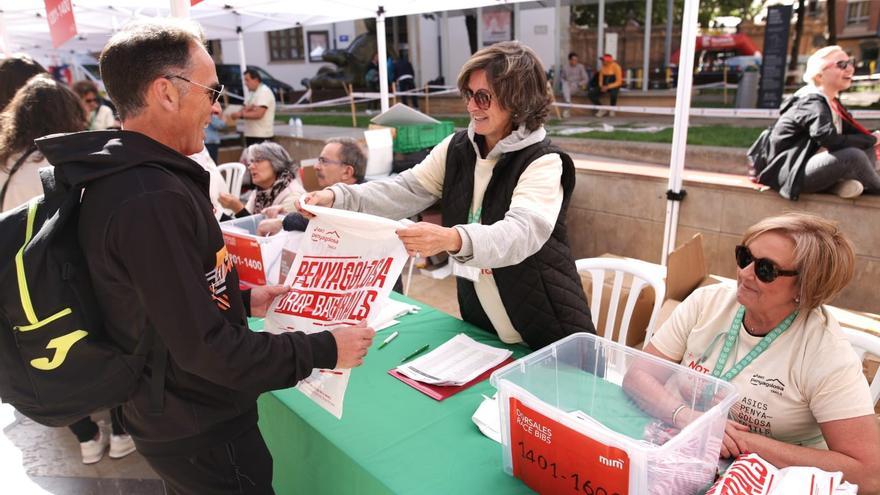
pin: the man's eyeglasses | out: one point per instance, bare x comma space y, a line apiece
843, 64
324, 161
215, 91
481, 97
765, 269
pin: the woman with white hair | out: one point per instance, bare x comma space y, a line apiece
816, 145
274, 174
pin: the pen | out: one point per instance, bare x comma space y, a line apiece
419, 351
389, 339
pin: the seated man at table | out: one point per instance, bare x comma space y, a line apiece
159, 269
342, 161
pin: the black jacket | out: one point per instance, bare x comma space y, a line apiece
805, 124
542, 295
157, 260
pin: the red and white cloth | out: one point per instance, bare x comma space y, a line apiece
751, 475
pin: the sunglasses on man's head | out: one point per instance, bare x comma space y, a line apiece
765, 269
481, 97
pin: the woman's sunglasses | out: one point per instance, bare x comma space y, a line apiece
482, 98
765, 269
843, 64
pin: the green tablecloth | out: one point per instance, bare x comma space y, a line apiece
391, 438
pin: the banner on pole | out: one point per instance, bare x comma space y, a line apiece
62, 25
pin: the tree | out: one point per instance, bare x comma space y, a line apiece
831, 5
618, 13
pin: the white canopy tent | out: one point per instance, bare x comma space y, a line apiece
26, 29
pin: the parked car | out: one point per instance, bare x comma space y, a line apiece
230, 77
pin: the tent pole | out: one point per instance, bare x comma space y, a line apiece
242, 62
647, 53
600, 35
383, 57
180, 8
674, 193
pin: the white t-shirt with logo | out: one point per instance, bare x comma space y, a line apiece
263, 127
809, 375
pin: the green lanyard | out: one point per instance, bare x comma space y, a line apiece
733, 335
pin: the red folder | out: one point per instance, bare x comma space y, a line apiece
440, 392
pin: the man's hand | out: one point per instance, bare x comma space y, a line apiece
263, 295
428, 239
270, 227
324, 197
230, 202
352, 343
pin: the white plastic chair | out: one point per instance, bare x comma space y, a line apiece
642, 276
865, 343
233, 174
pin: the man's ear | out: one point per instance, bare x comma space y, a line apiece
348, 172
164, 94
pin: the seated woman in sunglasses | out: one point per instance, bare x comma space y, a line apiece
816, 145
504, 190
803, 397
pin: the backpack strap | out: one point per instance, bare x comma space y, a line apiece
18, 164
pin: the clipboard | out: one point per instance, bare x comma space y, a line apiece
440, 392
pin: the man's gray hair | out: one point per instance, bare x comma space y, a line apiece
142, 52
275, 154
351, 153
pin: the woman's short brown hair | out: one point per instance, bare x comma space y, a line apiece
517, 78
824, 256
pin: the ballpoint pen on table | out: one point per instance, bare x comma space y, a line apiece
416, 353
389, 339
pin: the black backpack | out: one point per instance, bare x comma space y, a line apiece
57, 363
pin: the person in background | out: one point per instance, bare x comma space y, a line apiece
14, 72
217, 184
42, 106
574, 77
816, 145
275, 176
405, 73
371, 79
258, 111
98, 116
342, 161
212, 135
505, 190
803, 396
607, 80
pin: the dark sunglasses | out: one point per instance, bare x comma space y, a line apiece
482, 98
90, 100
843, 64
765, 269
215, 91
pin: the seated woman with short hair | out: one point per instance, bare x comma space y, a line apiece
804, 399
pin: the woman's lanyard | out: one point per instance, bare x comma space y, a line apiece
730, 342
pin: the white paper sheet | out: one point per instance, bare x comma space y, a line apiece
456, 362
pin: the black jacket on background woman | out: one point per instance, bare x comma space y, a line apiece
805, 125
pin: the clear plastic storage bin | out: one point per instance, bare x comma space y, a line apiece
257, 259
571, 420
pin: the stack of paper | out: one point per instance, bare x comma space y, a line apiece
458, 361
389, 313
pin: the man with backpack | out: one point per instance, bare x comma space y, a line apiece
162, 277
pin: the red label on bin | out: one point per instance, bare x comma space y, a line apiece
552, 458
247, 257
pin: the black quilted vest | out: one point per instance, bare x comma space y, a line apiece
543, 294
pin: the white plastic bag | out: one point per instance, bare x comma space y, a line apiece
345, 267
